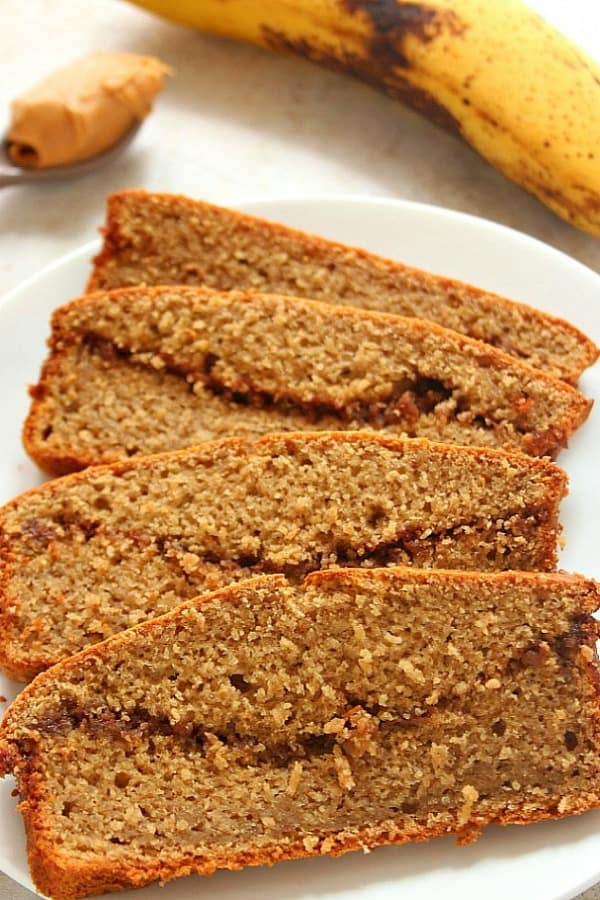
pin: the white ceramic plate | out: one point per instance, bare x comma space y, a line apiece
548, 861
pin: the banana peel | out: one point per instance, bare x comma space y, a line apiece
496, 73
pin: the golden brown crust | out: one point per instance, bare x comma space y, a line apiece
49, 462
62, 879
66, 455
568, 367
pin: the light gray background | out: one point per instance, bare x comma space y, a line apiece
235, 123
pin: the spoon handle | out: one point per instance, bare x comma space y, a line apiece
12, 174
8, 177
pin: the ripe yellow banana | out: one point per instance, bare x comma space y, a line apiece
511, 85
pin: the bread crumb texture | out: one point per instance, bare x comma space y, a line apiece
245, 728
164, 239
90, 554
146, 370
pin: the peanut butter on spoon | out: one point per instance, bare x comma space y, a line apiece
83, 109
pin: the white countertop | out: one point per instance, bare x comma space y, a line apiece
235, 123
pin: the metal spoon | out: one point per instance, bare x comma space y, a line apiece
13, 174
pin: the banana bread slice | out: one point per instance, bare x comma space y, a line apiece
269, 721
165, 239
96, 552
146, 370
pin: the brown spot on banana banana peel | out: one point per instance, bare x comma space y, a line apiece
383, 57
359, 67
512, 86
393, 22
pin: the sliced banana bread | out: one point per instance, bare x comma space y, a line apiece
145, 370
269, 721
92, 553
165, 239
